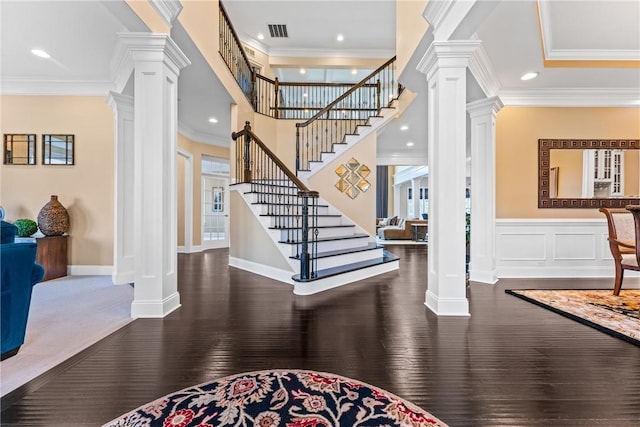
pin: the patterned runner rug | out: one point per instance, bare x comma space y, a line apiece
279, 398
615, 315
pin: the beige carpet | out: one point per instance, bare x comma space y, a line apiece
66, 316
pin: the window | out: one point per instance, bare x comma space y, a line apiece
57, 149
19, 149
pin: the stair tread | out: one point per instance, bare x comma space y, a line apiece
370, 247
285, 204
329, 239
319, 226
333, 271
268, 185
297, 215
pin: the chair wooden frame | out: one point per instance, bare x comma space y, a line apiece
620, 247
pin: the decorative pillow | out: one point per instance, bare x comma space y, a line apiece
383, 222
393, 220
9, 232
401, 223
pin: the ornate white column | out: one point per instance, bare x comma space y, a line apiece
445, 64
482, 267
123, 241
157, 61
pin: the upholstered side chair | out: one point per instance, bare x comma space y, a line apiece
623, 241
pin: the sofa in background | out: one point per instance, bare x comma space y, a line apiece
397, 228
19, 273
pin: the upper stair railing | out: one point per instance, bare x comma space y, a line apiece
342, 116
293, 207
234, 56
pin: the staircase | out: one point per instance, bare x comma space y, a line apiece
321, 247
301, 238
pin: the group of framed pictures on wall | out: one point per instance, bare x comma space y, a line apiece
20, 149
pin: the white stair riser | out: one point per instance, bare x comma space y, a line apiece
322, 233
334, 245
338, 260
275, 199
266, 209
322, 221
343, 279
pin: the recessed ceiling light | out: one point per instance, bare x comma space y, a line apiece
260, 36
302, 71
529, 76
354, 71
41, 53
404, 127
305, 94
340, 37
213, 120
409, 144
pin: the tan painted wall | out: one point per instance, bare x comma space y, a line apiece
180, 164
410, 28
197, 150
362, 209
85, 189
200, 20
149, 16
517, 132
249, 240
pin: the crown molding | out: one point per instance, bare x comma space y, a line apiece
202, 137
150, 46
449, 54
482, 69
168, 9
571, 97
11, 86
555, 54
392, 159
485, 106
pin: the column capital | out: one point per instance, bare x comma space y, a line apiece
118, 101
485, 106
146, 47
447, 54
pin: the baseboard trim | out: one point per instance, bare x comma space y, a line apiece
261, 269
192, 250
90, 270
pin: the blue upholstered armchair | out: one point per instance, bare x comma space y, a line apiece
19, 273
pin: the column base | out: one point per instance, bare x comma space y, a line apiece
447, 306
155, 309
483, 276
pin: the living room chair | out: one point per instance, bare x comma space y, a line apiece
624, 238
19, 273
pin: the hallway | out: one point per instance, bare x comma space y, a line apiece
510, 363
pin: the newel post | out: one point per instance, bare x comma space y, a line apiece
305, 258
247, 152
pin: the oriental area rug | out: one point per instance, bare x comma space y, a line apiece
599, 308
286, 398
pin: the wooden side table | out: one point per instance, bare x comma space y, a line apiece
52, 255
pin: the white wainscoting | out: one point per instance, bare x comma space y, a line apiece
554, 248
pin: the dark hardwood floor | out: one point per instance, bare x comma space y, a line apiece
510, 364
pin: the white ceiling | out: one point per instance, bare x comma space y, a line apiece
81, 36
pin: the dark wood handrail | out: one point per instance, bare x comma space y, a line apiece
268, 80
292, 176
235, 36
344, 95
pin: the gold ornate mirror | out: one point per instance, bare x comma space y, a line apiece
588, 173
